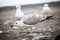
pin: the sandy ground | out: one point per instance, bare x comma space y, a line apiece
47, 24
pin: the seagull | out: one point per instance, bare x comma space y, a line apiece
46, 10
19, 14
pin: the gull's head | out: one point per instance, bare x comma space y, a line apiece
17, 24
46, 5
18, 6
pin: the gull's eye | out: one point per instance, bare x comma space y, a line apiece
15, 23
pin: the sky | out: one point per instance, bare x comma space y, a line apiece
22, 2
